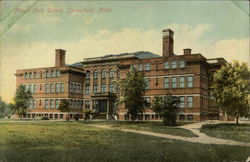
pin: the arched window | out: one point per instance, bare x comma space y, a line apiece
103, 73
53, 73
147, 66
111, 73
166, 65
140, 67
133, 67
174, 64
182, 64
95, 74
87, 75
47, 74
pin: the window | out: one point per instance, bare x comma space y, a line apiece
166, 82
46, 104
34, 104
30, 88
40, 102
190, 101
182, 64
41, 87
52, 88
103, 88
71, 88
95, 88
87, 75
53, 73
62, 87
147, 101
190, 81
182, 102
166, 65
58, 73
133, 67
182, 82
57, 103
30, 75
174, 79
87, 89
118, 74
140, 67
34, 88
35, 75
174, 64
47, 74
46, 88
182, 117
111, 88
87, 104
111, 73
147, 66
41, 75
57, 88
26, 87
95, 74
103, 73
189, 117
61, 116
147, 83
51, 103
26, 75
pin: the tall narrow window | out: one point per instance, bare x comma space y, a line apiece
190, 101
166, 82
95, 74
190, 81
52, 90
30, 75
58, 73
111, 73
140, 67
46, 88
30, 88
133, 67
87, 89
53, 73
182, 102
71, 88
182, 64
174, 80
87, 75
111, 88
34, 88
47, 74
95, 88
51, 103
174, 64
182, 82
148, 66
57, 103
34, 104
26, 75
118, 74
62, 87
46, 104
35, 75
166, 65
103, 88
87, 104
147, 101
57, 88
41, 87
103, 73
147, 83
41, 75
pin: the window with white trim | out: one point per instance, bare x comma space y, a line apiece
148, 67
174, 64
190, 101
182, 64
182, 81
182, 102
190, 81
140, 67
174, 82
166, 82
166, 65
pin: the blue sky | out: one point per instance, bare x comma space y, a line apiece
28, 40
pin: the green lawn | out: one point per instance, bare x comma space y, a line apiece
75, 141
231, 131
157, 127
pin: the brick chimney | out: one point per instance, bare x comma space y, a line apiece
187, 51
167, 43
60, 57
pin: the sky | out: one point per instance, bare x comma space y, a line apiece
30, 31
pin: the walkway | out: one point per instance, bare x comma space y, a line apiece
202, 138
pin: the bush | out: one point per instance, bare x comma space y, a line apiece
45, 118
76, 117
210, 126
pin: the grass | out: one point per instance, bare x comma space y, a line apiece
157, 127
231, 131
75, 141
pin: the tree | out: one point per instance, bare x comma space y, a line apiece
5, 110
168, 108
133, 88
22, 101
64, 107
231, 89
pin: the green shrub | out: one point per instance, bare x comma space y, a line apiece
210, 126
76, 117
45, 118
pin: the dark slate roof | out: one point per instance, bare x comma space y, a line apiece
77, 64
145, 55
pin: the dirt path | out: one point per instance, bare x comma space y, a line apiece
202, 138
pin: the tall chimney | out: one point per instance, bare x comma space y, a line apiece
167, 43
60, 57
187, 51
